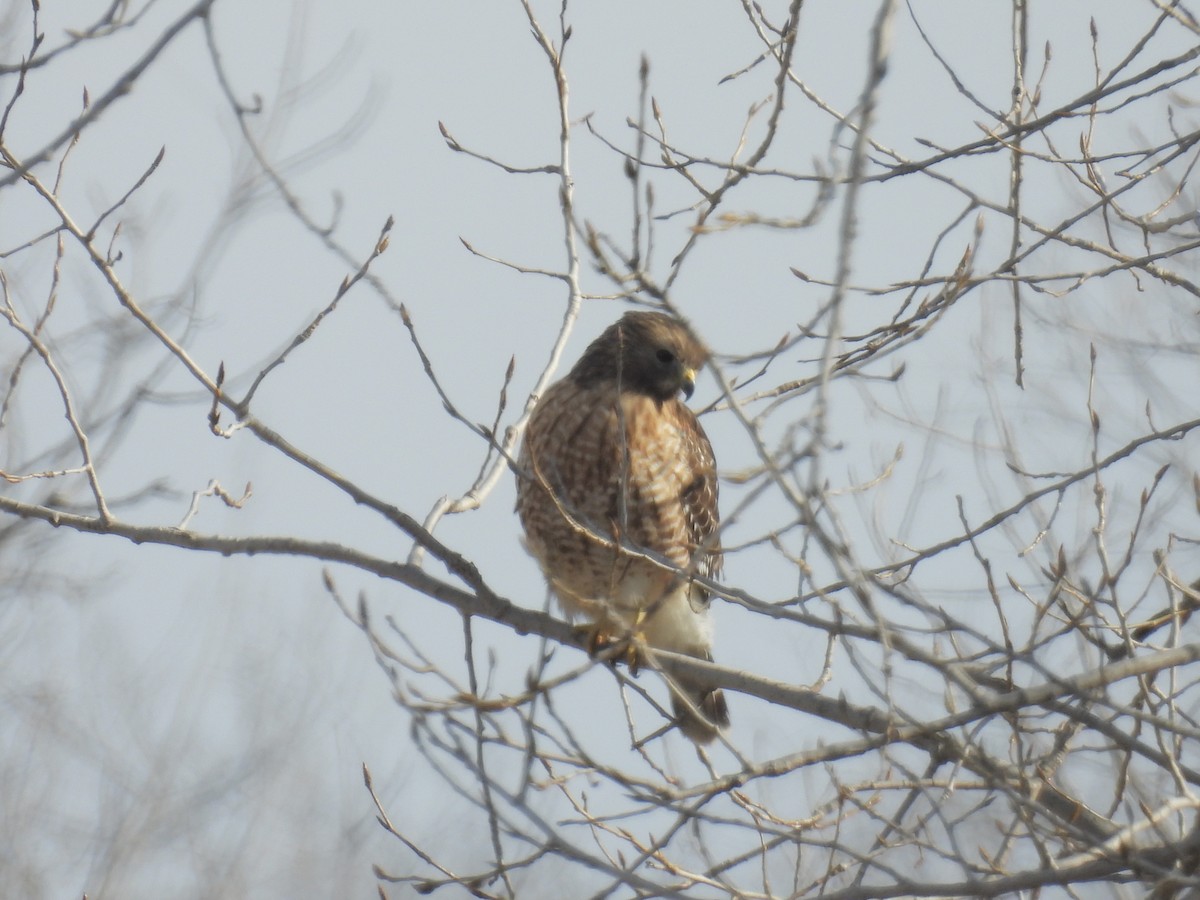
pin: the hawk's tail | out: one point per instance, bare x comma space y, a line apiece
709, 702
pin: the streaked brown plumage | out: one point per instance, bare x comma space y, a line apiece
615, 468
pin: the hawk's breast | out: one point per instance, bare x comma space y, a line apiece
603, 481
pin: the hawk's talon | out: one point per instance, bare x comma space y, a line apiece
603, 644
595, 639
632, 656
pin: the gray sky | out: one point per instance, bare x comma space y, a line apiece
146, 682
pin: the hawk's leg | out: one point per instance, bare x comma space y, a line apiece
601, 642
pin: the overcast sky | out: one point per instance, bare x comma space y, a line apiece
226, 703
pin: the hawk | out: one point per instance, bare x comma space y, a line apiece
617, 493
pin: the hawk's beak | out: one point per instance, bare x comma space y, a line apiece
688, 382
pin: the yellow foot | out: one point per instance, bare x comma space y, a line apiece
601, 643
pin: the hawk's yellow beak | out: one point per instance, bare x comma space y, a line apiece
688, 382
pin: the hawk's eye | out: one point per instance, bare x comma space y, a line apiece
665, 356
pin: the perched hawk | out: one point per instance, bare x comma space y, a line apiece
617, 477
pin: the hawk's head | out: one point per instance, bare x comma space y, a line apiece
646, 352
